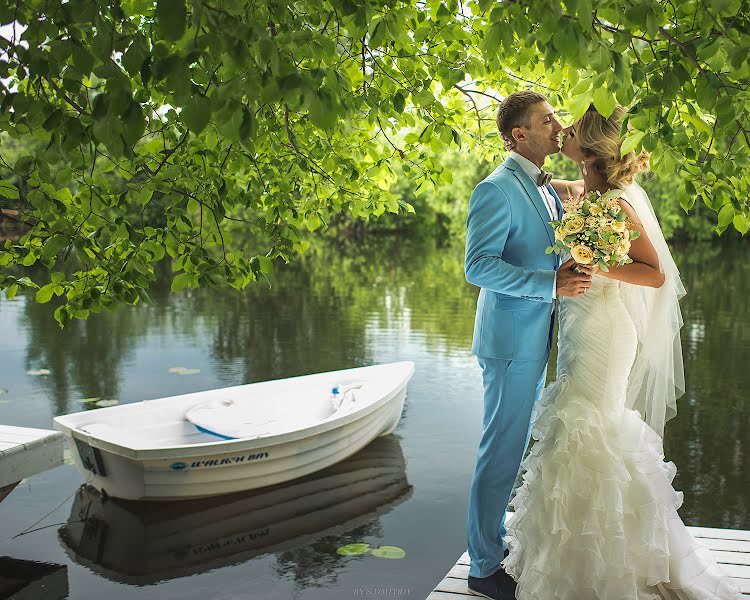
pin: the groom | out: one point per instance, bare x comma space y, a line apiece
507, 232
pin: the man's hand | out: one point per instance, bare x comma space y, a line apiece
570, 283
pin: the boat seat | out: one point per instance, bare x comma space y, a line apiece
228, 419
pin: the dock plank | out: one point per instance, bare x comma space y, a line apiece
720, 534
25, 451
730, 547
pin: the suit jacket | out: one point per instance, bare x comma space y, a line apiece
507, 233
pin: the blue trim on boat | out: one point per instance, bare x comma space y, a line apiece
223, 437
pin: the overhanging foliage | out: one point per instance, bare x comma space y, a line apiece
159, 123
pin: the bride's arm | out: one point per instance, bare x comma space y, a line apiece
644, 270
564, 188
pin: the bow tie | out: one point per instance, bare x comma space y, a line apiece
543, 179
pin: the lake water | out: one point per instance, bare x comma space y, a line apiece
344, 305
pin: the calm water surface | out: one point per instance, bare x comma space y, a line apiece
342, 306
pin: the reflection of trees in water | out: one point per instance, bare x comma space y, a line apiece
317, 314
708, 439
320, 312
85, 358
317, 564
395, 279
293, 328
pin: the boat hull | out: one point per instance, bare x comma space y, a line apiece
224, 468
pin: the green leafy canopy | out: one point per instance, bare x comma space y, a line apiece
161, 128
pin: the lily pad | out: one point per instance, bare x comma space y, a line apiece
36, 372
353, 549
105, 403
68, 457
184, 371
89, 400
389, 552
3, 391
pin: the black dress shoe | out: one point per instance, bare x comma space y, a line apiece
498, 586
486, 587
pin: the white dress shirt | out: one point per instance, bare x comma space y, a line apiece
533, 171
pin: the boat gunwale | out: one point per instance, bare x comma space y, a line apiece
224, 446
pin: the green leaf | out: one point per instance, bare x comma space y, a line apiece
399, 102
134, 123
583, 86
652, 24
24, 165
45, 294
136, 55
266, 264
321, 111
8, 190
604, 102
578, 105
631, 142
197, 113
705, 93
726, 215
171, 19
585, 14
179, 282
229, 120
741, 223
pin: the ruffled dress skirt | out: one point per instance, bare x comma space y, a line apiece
596, 515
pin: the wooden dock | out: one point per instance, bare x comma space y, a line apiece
25, 452
730, 547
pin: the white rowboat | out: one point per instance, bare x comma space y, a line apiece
238, 438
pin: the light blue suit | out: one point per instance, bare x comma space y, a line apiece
507, 233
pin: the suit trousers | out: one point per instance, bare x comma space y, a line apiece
511, 388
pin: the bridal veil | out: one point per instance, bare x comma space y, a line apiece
657, 377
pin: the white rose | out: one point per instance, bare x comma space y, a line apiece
582, 255
574, 225
619, 226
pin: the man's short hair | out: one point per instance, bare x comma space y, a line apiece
514, 111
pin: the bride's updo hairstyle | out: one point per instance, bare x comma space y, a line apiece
600, 137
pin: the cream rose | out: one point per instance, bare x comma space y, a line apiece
574, 225
623, 247
596, 210
619, 226
582, 255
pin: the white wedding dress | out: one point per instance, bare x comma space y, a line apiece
596, 516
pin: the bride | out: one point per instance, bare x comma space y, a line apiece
596, 516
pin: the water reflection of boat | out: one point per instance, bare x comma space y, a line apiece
24, 579
145, 542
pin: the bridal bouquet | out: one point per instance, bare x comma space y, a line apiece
594, 229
